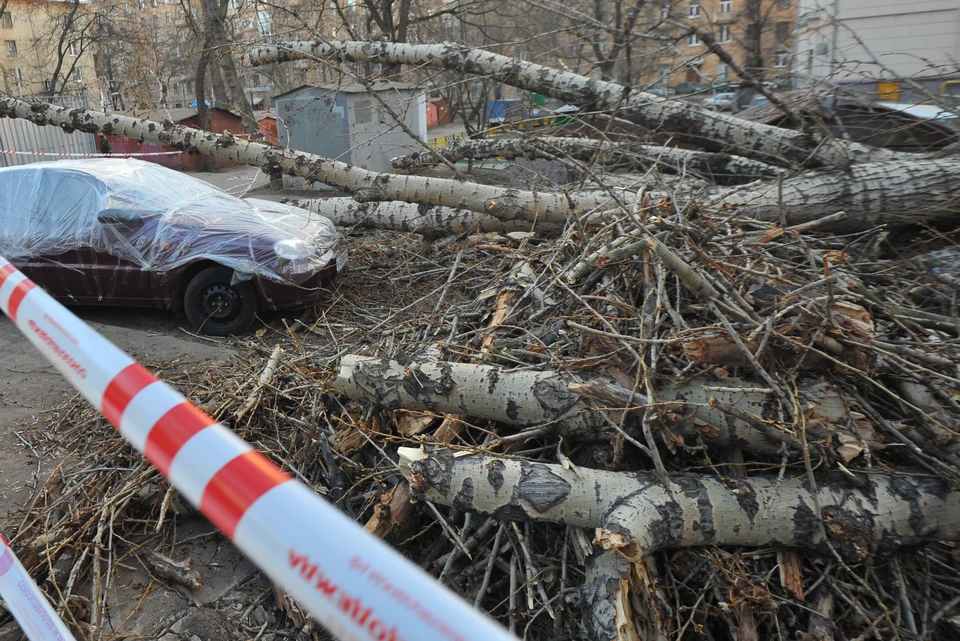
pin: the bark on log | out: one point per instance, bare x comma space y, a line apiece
513, 397
871, 194
875, 516
683, 120
541, 397
420, 219
502, 203
618, 604
722, 168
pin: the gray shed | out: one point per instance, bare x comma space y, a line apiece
347, 123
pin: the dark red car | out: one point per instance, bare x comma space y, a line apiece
126, 232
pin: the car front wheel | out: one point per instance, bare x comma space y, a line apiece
217, 308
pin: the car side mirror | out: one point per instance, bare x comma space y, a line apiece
119, 217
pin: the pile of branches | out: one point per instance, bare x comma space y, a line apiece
731, 430
712, 397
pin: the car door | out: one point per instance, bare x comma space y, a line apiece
79, 262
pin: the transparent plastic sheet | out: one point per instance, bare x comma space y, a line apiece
156, 218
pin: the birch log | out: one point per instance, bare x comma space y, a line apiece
421, 219
683, 120
871, 194
618, 605
513, 397
525, 397
873, 516
722, 168
499, 202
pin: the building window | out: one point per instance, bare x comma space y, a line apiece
783, 31
694, 10
6, 20
723, 71
74, 49
264, 23
724, 35
168, 17
153, 3
726, 6
78, 74
11, 47
156, 22
783, 4
140, 4
694, 40
781, 59
665, 12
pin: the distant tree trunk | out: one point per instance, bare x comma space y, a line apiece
62, 46
217, 36
209, 162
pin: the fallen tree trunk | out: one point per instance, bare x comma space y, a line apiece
421, 219
502, 203
871, 194
683, 120
893, 193
721, 168
873, 516
524, 397
513, 397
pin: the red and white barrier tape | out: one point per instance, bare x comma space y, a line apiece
354, 584
26, 602
132, 154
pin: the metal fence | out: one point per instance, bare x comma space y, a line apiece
24, 136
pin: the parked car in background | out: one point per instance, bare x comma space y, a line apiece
132, 233
660, 91
721, 101
686, 88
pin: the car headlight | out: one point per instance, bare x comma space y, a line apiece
293, 249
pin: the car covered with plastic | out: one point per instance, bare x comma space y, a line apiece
127, 232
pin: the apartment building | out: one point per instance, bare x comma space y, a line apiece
879, 42
41, 54
758, 34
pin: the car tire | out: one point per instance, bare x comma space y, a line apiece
215, 307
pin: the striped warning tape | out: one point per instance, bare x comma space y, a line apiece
26, 602
355, 585
133, 154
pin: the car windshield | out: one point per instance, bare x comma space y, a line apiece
147, 187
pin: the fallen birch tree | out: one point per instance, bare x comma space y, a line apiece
873, 515
411, 217
685, 121
499, 202
544, 399
872, 194
719, 167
